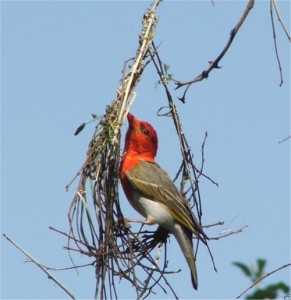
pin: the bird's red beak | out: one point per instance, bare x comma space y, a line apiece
131, 119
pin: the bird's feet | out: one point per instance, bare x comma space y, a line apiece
149, 221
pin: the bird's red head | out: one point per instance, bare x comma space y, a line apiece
141, 138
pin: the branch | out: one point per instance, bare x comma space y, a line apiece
41, 266
275, 44
284, 140
275, 3
230, 232
259, 280
215, 63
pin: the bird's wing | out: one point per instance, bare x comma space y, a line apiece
151, 180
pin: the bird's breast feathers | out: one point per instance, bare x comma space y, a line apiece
152, 210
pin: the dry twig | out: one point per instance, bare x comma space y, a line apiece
215, 63
273, 2
41, 266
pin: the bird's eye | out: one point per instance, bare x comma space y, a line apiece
145, 131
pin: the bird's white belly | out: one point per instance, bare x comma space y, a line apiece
153, 210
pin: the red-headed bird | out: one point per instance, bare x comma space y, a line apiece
153, 194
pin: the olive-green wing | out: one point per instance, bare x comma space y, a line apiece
151, 180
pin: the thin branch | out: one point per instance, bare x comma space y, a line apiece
275, 43
220, 223
41, 266
284, 140
215, 63
229, 234
275, 2
262, 278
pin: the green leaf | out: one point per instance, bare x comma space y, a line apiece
245, 269
270, 292
261, 266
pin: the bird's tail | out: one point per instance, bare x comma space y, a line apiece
184, 238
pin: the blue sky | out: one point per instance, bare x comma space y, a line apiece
62, 61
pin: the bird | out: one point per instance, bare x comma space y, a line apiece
153, 194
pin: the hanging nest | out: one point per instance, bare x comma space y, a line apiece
97, 227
